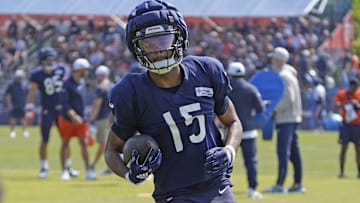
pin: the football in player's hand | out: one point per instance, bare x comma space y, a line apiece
142, 143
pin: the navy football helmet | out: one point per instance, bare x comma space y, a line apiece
156, 26
45, 53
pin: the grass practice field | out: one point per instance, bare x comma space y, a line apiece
19, 168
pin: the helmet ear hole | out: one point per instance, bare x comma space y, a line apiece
186, 44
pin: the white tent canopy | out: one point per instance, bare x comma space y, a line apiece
193, 8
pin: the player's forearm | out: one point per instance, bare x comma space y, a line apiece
112, 156
115, 163
234, 134
233, 125
233, 138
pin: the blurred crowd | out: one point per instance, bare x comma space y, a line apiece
248, 42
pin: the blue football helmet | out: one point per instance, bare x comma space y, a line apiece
45, 53
156, 26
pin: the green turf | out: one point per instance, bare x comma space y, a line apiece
19, 170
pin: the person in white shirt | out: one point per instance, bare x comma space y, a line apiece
287, 117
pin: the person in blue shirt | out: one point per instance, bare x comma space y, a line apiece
247, 102
48, 79
176, 102
100, 115
15, 95
72, 122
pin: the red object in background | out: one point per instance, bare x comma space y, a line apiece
343, 35
29, 117
89, 140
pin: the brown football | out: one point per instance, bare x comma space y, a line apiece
142, 143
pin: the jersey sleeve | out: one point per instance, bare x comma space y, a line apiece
32, 77
258, 103
123, 109
221, 85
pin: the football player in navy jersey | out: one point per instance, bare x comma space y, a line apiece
175, 101
48, 80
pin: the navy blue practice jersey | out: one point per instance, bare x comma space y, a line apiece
73, 98
102, 91
181, 120
50, 86
246, 99
17, 92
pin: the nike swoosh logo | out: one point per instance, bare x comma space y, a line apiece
169, 199
221, 191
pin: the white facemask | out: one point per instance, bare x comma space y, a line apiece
162, 67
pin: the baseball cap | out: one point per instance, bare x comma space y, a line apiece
236, 69
19, 73
281, 54
81, 63
102, 70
